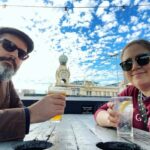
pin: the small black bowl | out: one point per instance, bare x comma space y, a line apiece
118, 146
33, 145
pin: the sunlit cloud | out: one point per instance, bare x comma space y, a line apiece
87, 31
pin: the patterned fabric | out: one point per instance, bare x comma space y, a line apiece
137, 119
142, 109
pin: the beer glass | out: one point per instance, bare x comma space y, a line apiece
56, 118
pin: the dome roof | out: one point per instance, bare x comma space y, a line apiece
63, 59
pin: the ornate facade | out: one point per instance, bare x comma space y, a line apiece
85, 88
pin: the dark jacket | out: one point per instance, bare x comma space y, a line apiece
12, 115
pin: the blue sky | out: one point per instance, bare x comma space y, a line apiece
89, 33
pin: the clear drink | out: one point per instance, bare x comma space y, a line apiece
124, 107
124, 127
57, 118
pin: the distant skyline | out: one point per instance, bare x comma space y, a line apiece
91, 33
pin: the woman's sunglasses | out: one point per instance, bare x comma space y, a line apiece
141, 59
9, 46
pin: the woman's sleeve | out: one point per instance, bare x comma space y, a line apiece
103, 107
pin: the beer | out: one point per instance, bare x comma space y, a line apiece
56, 118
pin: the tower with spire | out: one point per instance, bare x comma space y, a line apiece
62, 73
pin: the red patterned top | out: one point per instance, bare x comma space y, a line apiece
137, 120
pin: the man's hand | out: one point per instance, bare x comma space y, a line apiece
48, 107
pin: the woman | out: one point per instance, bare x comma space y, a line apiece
136, 67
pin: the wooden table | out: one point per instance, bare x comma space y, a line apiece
77, 132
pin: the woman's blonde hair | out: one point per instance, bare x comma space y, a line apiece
142, 42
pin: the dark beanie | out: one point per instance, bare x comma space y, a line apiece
20, 34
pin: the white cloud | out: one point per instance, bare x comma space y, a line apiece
56, 31
123, 28
144, 5
121, 2
134, 19
119, 39
108, 17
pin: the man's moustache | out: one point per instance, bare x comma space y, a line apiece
9, 59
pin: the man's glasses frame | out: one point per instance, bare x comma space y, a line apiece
141, 59
9, 46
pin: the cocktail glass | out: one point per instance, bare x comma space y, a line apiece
123, 105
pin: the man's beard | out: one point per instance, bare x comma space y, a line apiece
7, 70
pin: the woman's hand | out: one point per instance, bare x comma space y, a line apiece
113, 116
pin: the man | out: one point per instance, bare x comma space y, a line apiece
15, 119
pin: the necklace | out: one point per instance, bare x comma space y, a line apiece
142, 108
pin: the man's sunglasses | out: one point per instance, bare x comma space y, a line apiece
141, 59
9, 46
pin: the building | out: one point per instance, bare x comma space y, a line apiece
79, 88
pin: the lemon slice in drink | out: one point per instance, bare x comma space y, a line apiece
125, 106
